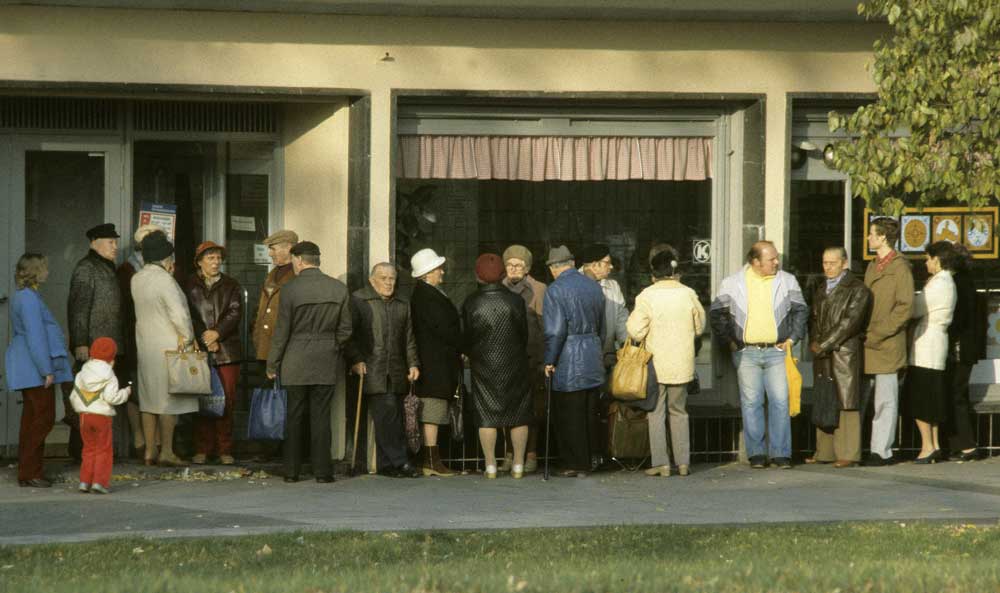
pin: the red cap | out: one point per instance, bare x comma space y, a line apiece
205, 246
489, 268
104, 349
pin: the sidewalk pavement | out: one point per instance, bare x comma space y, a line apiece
227, 503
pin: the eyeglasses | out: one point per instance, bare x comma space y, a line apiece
515, 266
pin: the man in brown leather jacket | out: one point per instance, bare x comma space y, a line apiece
279, 247
837, 323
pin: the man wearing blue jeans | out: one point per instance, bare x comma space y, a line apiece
758, 314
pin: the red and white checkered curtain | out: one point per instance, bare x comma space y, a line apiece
559, 158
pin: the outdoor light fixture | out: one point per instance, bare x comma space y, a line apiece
798, 158
804, 145
828, 156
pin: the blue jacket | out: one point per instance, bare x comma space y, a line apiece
573, 315
728, 314
38, 347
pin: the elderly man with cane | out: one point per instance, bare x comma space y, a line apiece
573, 316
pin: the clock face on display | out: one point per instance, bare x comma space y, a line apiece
915, 232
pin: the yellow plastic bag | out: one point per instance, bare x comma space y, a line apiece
794, 383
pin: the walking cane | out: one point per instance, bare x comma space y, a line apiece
548, 413
357, 425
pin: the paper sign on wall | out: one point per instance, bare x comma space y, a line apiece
162, 215
260, 254
243, 223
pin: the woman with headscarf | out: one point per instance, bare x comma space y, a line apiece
162, 323
216, 310
495, 333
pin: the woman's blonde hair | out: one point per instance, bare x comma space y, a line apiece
29, 268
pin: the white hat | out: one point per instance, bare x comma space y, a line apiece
424, 261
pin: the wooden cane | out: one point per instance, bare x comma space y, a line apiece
357, 425
548, 426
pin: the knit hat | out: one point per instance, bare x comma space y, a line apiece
558, 255
282, 236
104, 349
156, 247
489, 268
207, 246
595, 252
520, 252
143, 231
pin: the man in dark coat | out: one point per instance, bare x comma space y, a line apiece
384, 350
314, 324
836, 329
94, 308
573, 315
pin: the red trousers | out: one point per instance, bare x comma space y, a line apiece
38, 414
215, 435
98, 451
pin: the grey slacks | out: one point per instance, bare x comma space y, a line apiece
672, 402
886, 414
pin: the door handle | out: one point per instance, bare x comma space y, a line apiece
3, 299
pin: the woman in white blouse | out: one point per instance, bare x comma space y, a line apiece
927, 396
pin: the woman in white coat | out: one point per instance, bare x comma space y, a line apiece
926, 393
669, 317
162, 322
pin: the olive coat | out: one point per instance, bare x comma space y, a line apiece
892, 303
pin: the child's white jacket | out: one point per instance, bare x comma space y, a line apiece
95, 390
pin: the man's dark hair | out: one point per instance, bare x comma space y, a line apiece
757, 249
665, 263
888, 228
946, 253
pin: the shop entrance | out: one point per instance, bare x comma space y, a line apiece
57, 189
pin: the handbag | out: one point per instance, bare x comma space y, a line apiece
794, 378
411, 410
268, 409
213, 405
187, 370
455, 417
826, 404
630, 375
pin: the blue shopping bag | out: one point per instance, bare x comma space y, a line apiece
268, 407
213, 405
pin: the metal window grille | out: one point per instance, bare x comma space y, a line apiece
178, 116
58, 113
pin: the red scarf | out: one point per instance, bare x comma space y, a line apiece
882, 262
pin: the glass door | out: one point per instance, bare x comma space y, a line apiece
58, 188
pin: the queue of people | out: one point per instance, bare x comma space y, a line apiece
530, 347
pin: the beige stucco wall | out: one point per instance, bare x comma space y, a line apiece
315, 139
64, 44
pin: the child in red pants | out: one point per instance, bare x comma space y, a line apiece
95, 393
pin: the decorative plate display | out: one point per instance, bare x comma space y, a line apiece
947, 227
916, 232
979, 232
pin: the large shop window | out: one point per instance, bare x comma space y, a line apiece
465, 195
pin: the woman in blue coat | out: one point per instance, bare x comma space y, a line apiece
36, 361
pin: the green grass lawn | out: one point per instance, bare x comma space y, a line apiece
862, 557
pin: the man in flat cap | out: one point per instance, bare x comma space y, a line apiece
94, 307
573, 315
313, 325
279, 247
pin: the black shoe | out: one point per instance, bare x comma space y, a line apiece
408, 471
324, 479
876, 460
782, 462
291, 479
758, 462
931, 457
389, 472
35, 483
973, 455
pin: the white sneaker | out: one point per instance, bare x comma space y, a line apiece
98, 489
84, 487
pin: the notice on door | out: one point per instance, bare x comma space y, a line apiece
243, 223
162, 215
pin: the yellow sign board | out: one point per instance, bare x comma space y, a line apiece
973, 227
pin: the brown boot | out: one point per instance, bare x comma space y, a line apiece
433, 465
